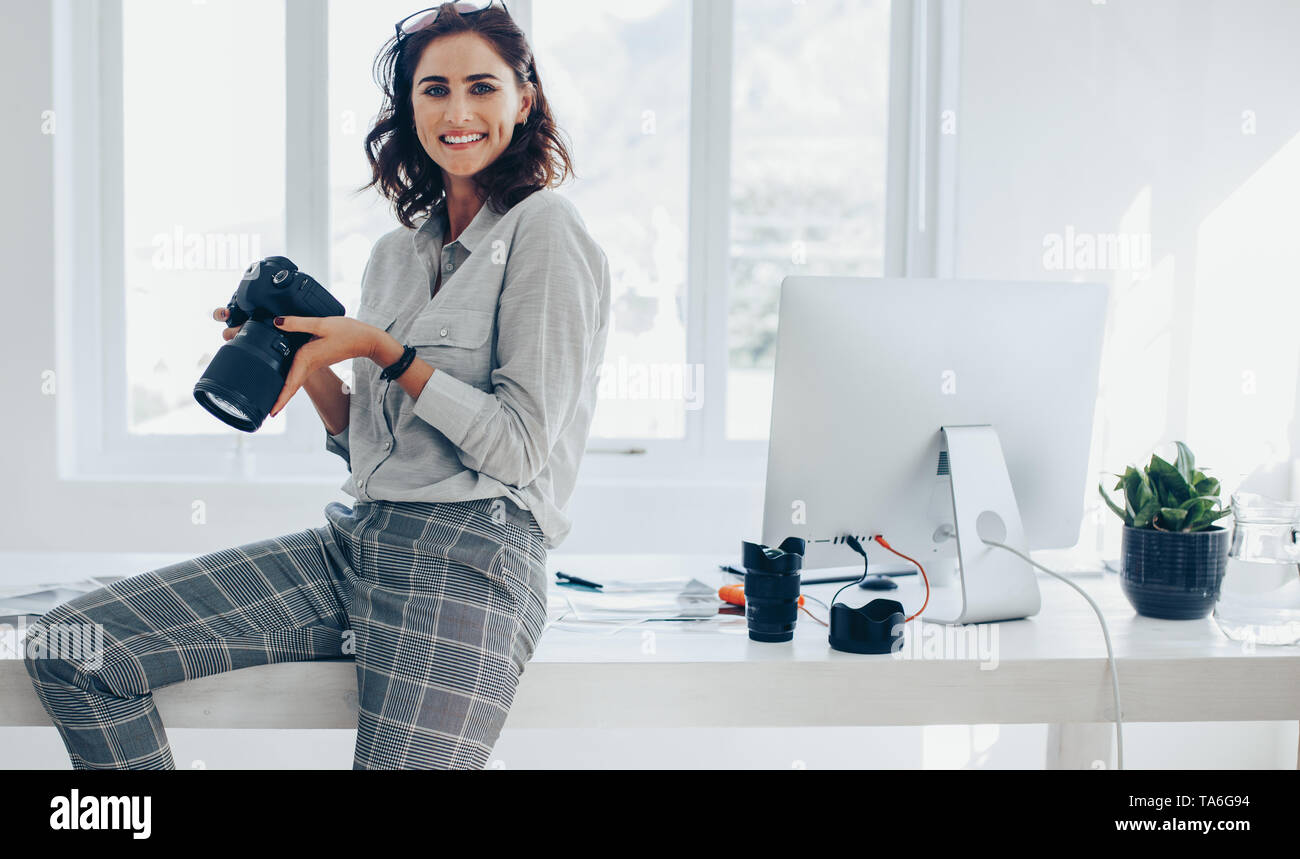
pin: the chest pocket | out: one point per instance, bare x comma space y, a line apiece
456, 340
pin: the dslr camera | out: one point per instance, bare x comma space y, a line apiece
246, 376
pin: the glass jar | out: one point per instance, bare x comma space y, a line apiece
1259, 601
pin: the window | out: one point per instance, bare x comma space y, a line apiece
809, 105
618, 76
357, 220
710, 141
214, 128
618, 80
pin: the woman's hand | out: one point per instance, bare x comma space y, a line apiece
335, 339
221, 314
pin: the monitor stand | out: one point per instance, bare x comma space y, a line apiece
992, 584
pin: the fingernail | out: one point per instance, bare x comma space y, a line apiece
279, 320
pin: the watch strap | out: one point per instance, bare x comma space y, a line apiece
400, 366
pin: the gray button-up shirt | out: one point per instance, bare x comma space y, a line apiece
516, 335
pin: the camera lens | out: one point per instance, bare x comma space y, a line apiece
771, 604
246, 376
229, 408
772, 588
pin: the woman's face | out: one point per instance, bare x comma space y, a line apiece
462, 87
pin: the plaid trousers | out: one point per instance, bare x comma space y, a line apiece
440, 604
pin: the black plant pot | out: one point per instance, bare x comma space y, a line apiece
1173, 575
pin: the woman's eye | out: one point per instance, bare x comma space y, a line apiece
487, 88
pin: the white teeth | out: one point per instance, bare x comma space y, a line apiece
466, 139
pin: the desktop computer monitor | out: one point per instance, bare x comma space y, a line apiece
934, 412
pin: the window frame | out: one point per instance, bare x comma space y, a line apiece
920, 197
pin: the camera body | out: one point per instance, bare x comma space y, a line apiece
247, 374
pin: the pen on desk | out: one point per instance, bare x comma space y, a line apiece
566, 579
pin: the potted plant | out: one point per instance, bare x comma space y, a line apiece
1173, 555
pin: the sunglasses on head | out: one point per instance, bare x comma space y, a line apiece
417, 21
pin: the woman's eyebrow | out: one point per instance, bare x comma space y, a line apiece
439, 79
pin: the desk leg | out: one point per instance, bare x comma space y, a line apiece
1080, 745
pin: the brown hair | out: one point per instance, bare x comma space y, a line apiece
535, 159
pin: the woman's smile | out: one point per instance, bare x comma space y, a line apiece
461, 141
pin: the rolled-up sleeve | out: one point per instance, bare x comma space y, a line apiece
547, 318
339, 444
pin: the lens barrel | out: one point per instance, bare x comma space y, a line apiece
772, 589
246, 376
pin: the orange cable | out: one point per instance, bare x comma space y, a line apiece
804, 609
881, 540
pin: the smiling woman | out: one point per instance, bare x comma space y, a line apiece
435, 580
481, 79
499, 364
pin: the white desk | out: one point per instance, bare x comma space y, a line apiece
1048, 669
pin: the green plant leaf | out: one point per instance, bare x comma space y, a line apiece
1206, 486
1209, 518
1213, 501
1171, 518
1113, 506
1138, 498
1199, 512
1132, 477
1185, 463
1168, 482
1148, 505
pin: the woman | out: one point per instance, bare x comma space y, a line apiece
475, 350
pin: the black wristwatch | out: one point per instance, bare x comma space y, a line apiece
397, 369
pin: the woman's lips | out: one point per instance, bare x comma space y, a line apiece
460, 145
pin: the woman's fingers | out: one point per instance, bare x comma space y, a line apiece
221, 314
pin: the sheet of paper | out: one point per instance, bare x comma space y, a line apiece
665, 599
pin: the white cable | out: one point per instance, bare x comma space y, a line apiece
1105, 631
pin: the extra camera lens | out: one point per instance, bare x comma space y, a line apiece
772, 589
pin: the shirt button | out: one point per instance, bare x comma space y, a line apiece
387, 445
443, 332
449, 266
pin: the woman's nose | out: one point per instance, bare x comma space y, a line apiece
458, 109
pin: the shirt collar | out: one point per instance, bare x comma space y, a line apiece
481, 224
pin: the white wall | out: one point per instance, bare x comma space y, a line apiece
1179, 119
1173, 118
